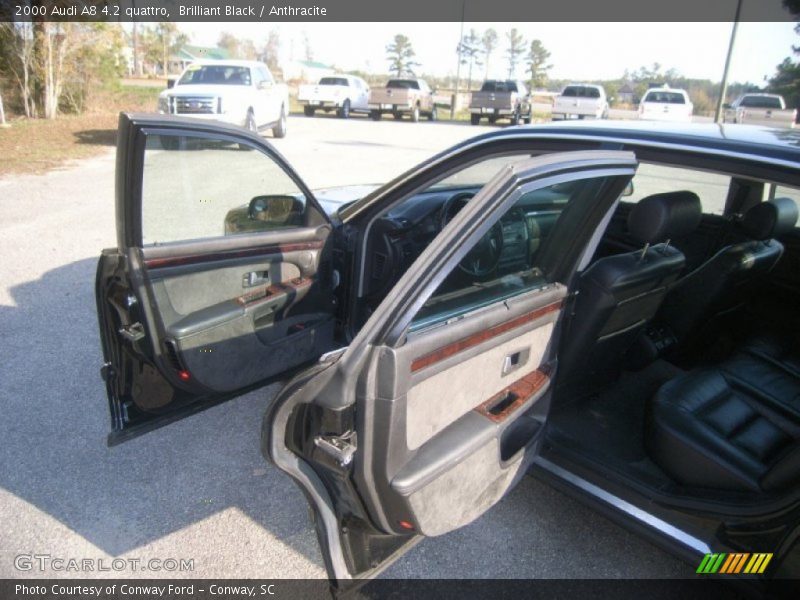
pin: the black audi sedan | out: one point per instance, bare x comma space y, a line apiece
610, 307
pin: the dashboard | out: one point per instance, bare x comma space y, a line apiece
396, 239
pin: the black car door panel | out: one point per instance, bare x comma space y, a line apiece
436, 408
236, 291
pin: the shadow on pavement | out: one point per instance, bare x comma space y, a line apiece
97, 137
56, 420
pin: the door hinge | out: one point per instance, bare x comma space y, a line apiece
133, 332
107, 372
340, 447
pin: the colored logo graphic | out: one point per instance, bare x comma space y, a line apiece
734, 563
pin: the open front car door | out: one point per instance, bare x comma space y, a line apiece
437, 408
220, 281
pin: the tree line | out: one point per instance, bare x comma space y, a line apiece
476, 50
53, 67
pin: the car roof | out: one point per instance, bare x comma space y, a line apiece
666, 89
752, 141
228, 63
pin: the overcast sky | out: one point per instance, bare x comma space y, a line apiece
579, 50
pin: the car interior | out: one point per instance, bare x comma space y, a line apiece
678, 364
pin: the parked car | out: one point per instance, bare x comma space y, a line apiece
344, 94
760, 109
403, 97
501, 99
475, 320
666, 104
581, 100
234, 91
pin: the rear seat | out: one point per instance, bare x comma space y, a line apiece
734, 427
770, 366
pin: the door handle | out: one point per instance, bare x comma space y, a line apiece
254, 278
514, 361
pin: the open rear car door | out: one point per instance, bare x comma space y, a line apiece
220, 280
437, 408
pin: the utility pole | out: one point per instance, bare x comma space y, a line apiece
724, 86
458, 66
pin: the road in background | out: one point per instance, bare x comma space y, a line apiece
199, 489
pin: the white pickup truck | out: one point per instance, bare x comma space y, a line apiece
241, 92
666, 104
581, 100
344, 94
760, 109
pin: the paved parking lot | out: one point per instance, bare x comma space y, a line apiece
199, 489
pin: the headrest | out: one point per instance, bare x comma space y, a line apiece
665, 216
770, 219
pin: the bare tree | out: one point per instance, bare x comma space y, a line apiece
489, 42
272, 49
516, 48
17, 59
469, 49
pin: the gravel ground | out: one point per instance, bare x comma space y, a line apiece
199, 488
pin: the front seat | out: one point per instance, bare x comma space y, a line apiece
618, 295
726, 280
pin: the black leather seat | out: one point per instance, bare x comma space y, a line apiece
729, 278
707, 430
770, 366
618, 295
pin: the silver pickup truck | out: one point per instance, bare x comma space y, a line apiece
501, 99
399, 97
760, 109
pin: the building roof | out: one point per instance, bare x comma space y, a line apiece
189, 52
313, 64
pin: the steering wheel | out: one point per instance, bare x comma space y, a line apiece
484, 257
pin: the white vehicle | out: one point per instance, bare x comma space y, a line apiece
241, 92
760, 109
344, 94
581, 100
666, 104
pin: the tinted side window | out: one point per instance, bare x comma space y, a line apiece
508, 259
760, 102
202, 187
654, 179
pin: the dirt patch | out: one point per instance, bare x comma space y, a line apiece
38, 145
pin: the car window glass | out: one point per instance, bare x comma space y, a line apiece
201, 187
506, 261
712, 188
477, 174
258, 76
333, 81
215, 75
665, 97
760, 102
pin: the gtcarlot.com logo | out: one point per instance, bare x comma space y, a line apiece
735, 563
48, 562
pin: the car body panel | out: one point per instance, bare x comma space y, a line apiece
577, 101
322, 95
267, 100
176, 317
362, 434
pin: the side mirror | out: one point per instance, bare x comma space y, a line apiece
264, 213
628, 191
265, 85
277, 209
171, 83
